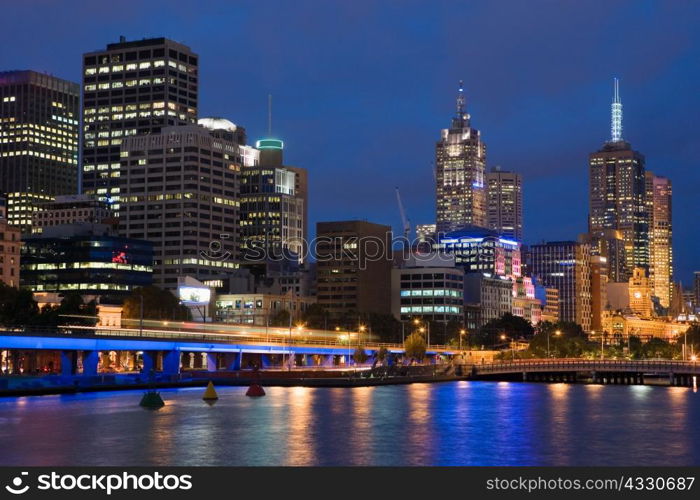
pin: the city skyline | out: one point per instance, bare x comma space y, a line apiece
564, 118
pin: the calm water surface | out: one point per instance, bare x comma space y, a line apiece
460, 423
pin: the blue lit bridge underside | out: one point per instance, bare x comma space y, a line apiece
165, 354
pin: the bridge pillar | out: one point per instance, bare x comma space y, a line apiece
524, 376
212, 361
233, 360
265, 361
328, 360
171, 362
148, 359
69, 363
90, 360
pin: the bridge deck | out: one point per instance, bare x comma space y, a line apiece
589, 365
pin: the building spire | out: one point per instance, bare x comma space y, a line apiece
269, 115
616, 114
460, 99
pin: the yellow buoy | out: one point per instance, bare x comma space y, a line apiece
210, 393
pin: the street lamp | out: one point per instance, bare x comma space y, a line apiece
417, 322
361, 329
557, 333
504, 337
462, 332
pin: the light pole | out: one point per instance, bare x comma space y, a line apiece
557, 333
685, 345
141, 314
461, 334
504, 337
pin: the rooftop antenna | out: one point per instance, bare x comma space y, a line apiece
616, 114
269, 115
460, 99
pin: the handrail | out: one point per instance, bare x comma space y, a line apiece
563, 364
96, 331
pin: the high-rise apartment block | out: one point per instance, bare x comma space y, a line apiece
460, 163
566, 266
39, 116
505, 203
658, 202
180, 191
132, 88
353, 267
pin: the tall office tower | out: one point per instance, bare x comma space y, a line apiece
658, 201
132, 88
38, 141
505, 203
273, 206
353, 260
566, 266
617, 191
460, 161
609, 244
180, 191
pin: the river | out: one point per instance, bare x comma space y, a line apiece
456, 423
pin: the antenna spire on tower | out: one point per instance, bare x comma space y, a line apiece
269, 115
460, 98
616, 114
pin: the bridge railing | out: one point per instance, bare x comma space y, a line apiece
198, 336
588, 364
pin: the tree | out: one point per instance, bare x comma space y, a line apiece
315, 316
157, 304
280, 318
658, 348
514, 327
17, 307
382, 354
360, 355
415, 346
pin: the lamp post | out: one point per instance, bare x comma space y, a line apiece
504, 337
557, 333
418, 322
461, 334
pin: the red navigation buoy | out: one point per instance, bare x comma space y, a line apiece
255, 391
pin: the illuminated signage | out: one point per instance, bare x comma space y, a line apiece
194, 296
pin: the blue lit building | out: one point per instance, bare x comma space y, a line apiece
85, 258
477, 249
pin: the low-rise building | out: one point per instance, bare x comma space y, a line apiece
619, 325
431, 288
10, 242
87, 259
69, 209
492, 295
259, 308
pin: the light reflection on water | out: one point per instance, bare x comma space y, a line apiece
460, 423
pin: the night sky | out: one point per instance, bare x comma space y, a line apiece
361, 90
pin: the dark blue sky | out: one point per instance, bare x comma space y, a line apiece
361, 89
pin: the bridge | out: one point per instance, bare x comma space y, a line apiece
75, 349
603, 371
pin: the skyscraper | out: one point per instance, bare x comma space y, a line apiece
38, 141
180, 191
460, 161
658, 201
273, 204
505, 203
132, 88
617, 191
566, 266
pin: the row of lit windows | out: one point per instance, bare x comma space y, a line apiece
431, 293
200, 262
133, 66
430, 309
87, 265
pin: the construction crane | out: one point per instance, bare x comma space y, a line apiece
406, 223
